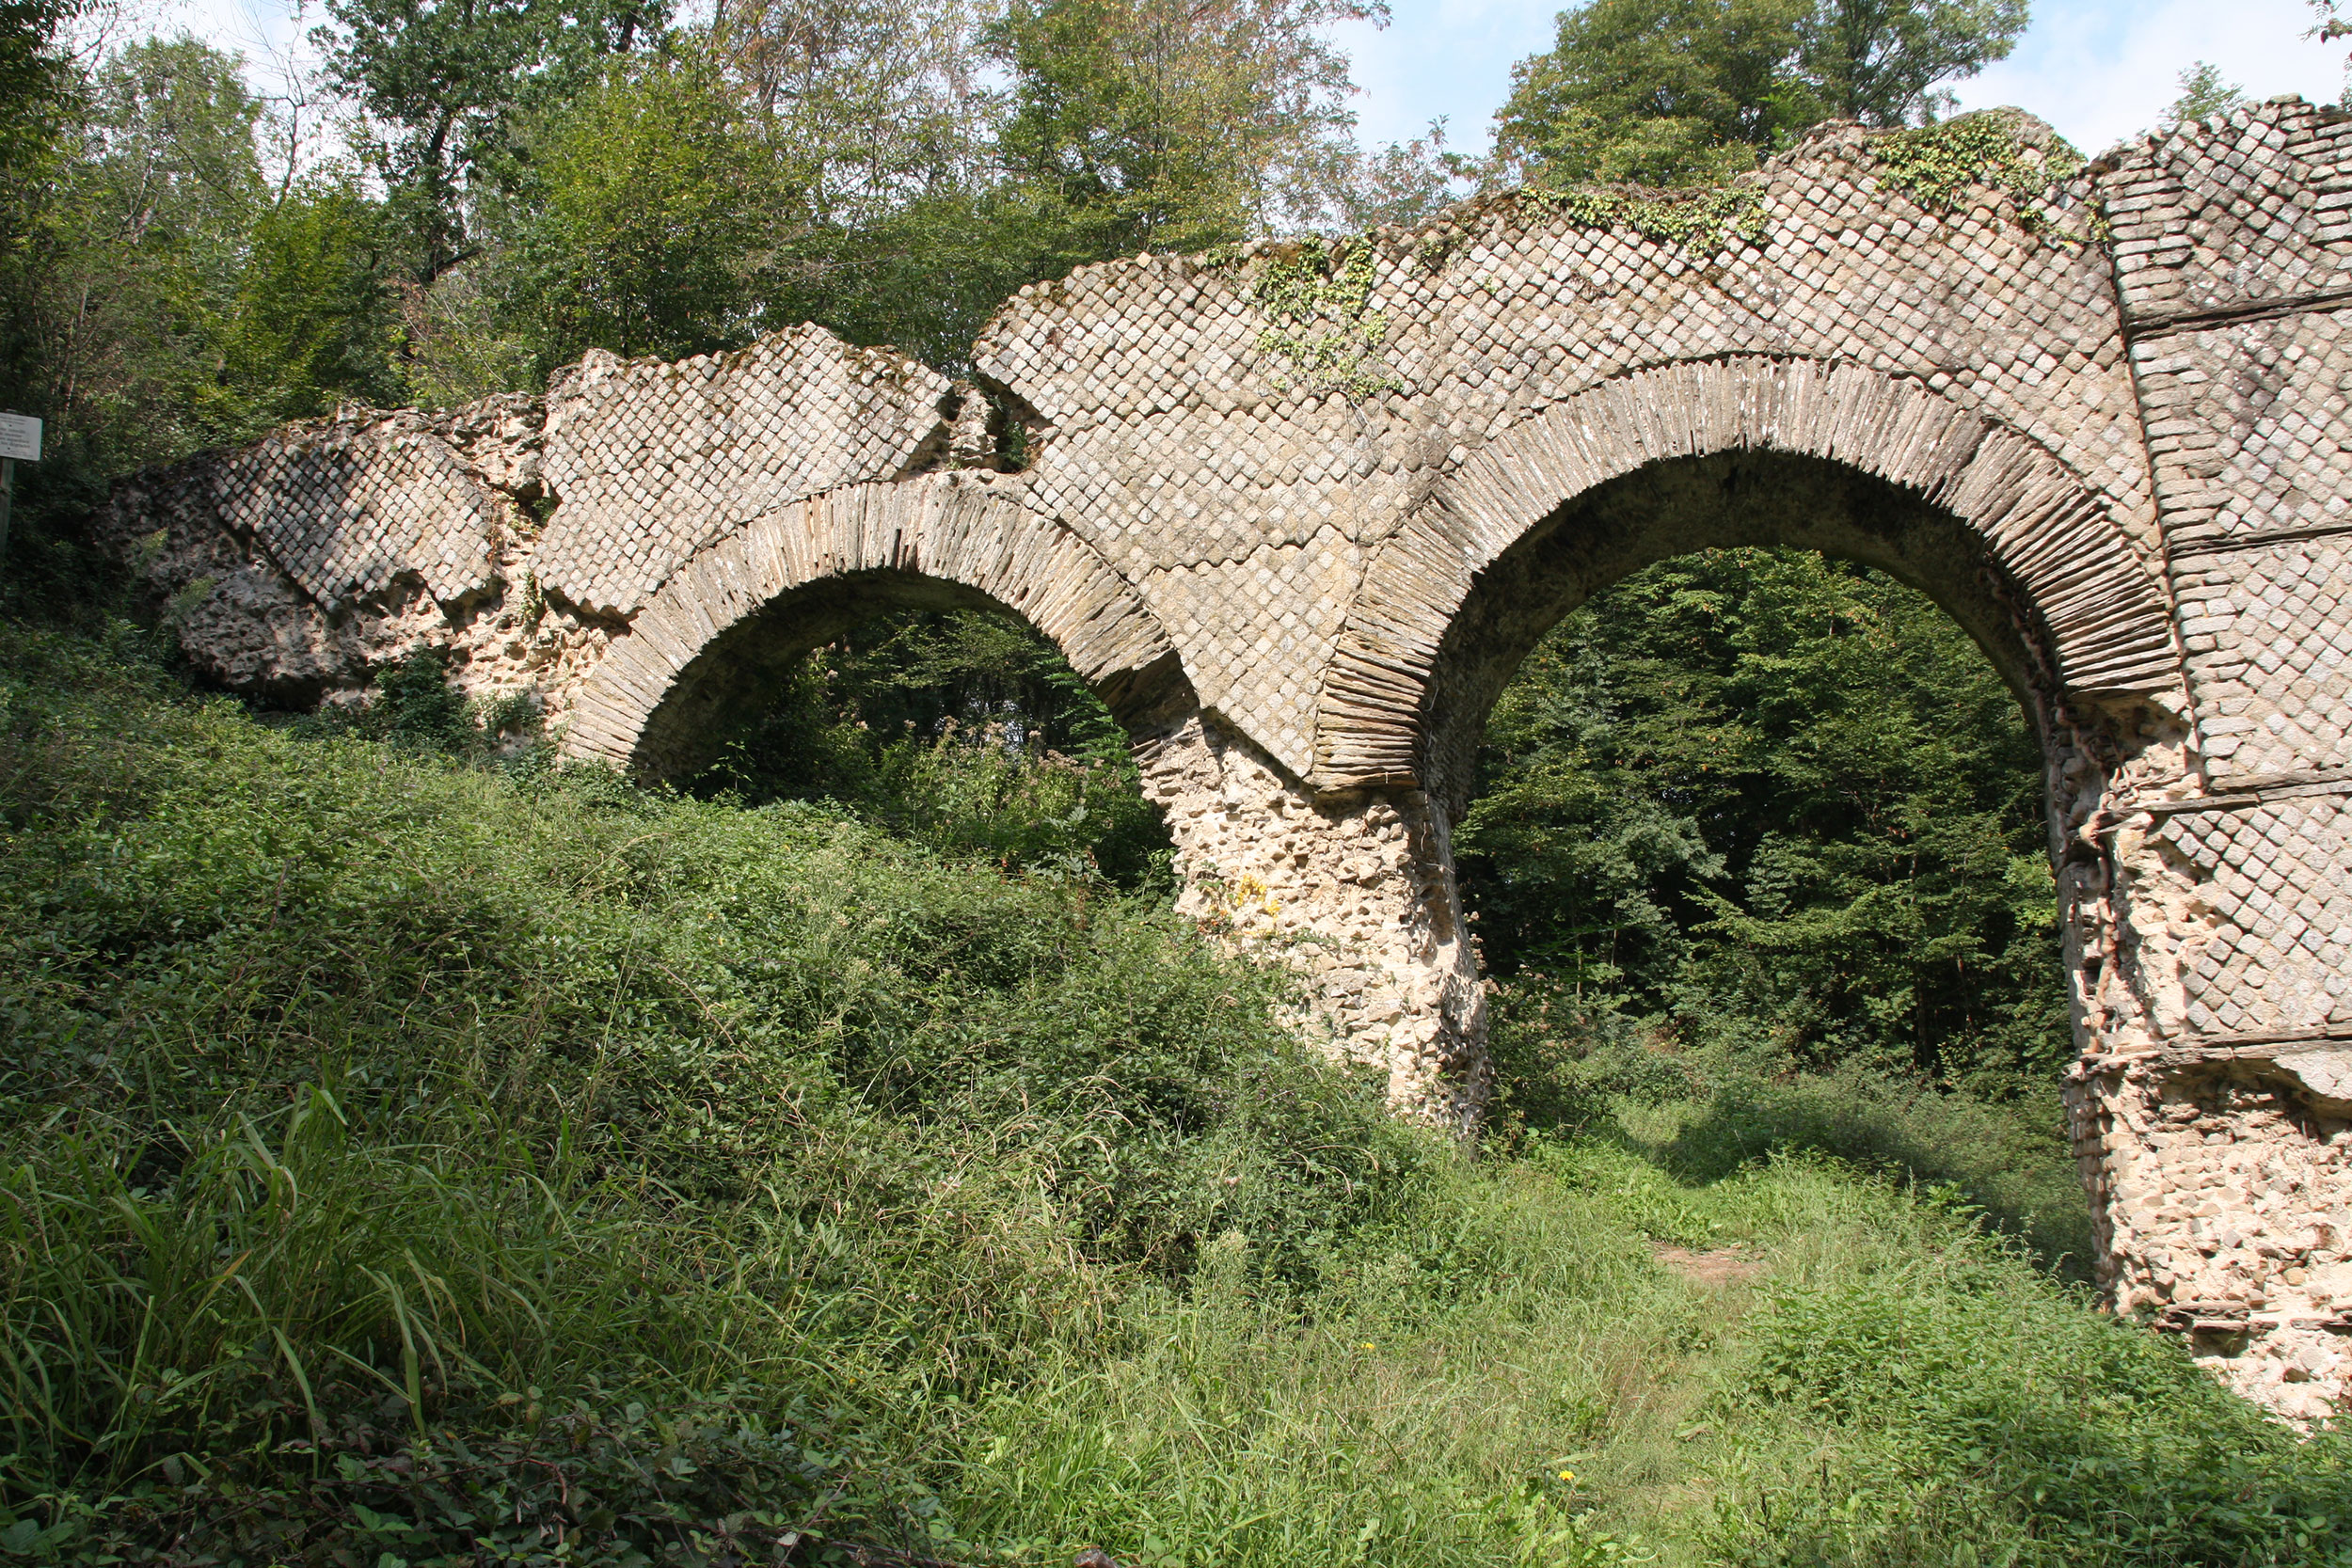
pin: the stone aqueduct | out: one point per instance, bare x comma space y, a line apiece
1298, 515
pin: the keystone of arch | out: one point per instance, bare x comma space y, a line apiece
957, 529
2103, 612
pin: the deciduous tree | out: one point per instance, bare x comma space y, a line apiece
653, 208
144, 245
1170, 124
439, 84
1884, 62
1682, 91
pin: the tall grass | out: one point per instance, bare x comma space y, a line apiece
412, 1161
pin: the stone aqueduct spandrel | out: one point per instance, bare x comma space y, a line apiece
1299, 553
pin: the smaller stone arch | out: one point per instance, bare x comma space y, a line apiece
805, 570
2100, 613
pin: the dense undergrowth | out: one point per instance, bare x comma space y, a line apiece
409, 1160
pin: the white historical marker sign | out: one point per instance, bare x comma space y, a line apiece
19, 438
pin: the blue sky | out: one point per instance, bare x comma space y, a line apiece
2098, 69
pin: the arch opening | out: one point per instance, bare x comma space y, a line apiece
1832, 455
1773, 808
927, 709
1680, 506
726, 622
1756, 763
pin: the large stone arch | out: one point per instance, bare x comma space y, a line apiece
1663, 460
799, 573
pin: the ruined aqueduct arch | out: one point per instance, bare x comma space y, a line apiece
1297, 511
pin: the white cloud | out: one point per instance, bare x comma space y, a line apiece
2101, 70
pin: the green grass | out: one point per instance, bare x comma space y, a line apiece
410, 1161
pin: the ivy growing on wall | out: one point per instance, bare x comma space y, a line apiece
1700, 221
1316, 296
1937, 165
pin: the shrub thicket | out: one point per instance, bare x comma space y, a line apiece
963, 730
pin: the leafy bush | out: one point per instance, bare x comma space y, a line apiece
338, 1074
1560, 1063
1978, 1415
966, 731
415, 703
2008, 1158
403, 1155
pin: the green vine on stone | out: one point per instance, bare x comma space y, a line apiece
1936, 165
1317, 297
1701, 221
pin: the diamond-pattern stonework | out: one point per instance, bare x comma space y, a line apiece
2279, 958
1173, 435
2254, 207
2267, 451
2270, 639
2107, 431
347, 509
652, 462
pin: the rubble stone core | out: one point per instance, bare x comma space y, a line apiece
1298, 512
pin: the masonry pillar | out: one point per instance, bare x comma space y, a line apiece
1355, 891
2215, 1125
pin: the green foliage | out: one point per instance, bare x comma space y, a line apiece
652, 207
38, 93
161, 296
897, 222
406, 1158
311, 322
2010, 1160
1983, 1419
1673, 92
1318, 299
532, 177
351, 1089
1144, 125
1936, 165
444, 88
967, 731
1656, 92
1882, 62
415, 703
36, 87
1701, 222
1783, 804
139, 252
